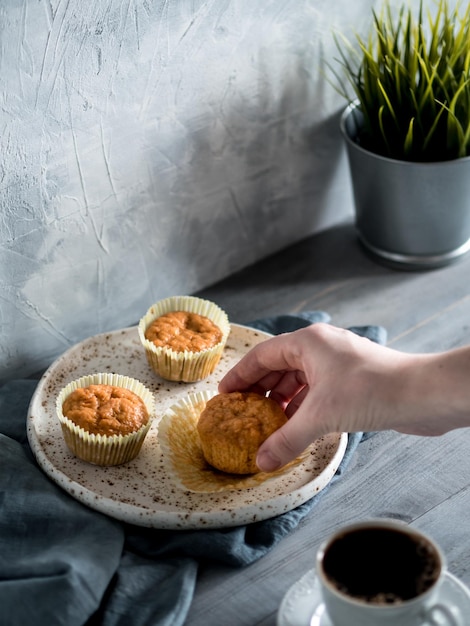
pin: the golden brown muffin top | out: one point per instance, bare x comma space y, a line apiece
237, 421
181, 330
106, 410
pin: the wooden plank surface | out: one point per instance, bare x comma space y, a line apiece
423, 481
330, 272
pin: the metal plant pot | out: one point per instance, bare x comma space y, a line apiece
408, 214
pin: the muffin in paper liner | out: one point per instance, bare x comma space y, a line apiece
183, 456
103, 449
184, 366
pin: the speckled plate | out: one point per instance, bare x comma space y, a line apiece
142, 492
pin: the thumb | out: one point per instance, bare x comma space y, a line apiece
286, 443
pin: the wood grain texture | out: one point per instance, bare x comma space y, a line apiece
422, 481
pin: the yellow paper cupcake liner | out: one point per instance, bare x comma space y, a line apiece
184, 366
102, 449
182, 452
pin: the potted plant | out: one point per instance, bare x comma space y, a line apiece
407, 133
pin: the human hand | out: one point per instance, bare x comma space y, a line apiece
329, 379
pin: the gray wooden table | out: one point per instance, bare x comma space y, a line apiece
424, 482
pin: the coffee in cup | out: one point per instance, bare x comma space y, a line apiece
383, 572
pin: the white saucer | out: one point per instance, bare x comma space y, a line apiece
302, 604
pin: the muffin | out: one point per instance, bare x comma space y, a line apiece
184, 337
105, 417
232, 427
184, 461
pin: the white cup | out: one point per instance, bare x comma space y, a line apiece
383, 572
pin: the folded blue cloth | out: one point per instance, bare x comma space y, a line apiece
62, 563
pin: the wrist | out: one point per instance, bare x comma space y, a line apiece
436, 392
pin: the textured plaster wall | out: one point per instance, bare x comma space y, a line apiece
151, 148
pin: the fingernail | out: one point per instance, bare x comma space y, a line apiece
266, 462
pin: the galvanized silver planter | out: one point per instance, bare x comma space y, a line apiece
408, 214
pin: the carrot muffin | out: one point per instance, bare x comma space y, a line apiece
105, 417
184, 337
232, 427
182, 330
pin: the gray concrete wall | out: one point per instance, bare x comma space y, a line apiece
151, 148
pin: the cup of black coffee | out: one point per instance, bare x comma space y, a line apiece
383, 572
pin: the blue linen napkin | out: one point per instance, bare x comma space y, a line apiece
62, 563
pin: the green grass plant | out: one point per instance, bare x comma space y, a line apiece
411, 76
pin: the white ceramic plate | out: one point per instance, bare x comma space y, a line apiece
141, 492
302, 605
